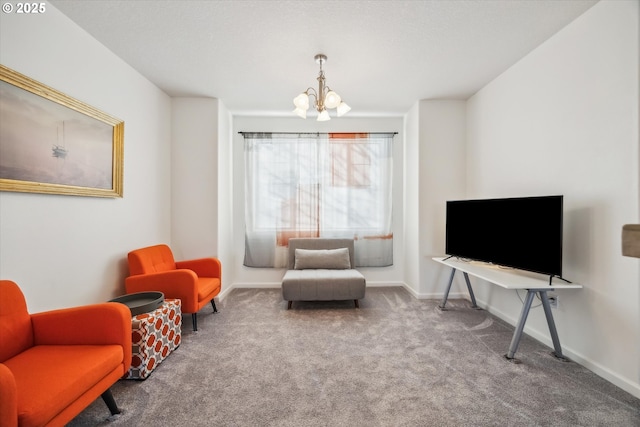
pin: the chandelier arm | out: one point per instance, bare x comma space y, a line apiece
312, 92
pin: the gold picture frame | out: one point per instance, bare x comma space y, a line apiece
52, 143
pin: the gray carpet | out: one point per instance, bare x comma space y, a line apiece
396, 361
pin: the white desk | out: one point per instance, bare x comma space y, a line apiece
511, 279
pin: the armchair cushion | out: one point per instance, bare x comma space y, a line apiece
207, 286
71, 370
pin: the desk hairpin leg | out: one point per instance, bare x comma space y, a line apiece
517, 334
473, 297
469, 288
552, 325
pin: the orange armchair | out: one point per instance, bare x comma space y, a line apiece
56, 363
195, 282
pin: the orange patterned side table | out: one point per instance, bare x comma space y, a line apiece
154, 336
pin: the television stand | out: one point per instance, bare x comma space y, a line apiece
511, 279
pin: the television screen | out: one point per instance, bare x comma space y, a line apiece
523, 233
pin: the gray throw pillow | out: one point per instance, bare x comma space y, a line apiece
331, 259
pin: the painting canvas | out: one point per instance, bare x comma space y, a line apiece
51, 143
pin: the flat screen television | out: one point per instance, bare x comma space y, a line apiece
523, 233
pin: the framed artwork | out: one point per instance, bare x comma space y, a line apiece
54, 144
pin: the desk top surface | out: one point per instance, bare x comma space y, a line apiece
508, 278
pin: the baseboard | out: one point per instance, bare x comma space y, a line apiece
438, 295
371, 284
262, 285
612, 377
223, 293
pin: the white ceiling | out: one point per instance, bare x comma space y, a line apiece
256, 56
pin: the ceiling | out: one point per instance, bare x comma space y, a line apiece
256, 56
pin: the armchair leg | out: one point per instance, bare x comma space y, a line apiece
357, 303
213, 304
110, 401
194, 318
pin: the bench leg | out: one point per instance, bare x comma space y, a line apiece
357, 303
111, 403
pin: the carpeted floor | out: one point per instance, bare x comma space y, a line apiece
396, 361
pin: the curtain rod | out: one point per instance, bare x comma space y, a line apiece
313, 133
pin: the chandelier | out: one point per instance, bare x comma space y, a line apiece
324, 97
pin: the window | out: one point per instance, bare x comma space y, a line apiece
318, 185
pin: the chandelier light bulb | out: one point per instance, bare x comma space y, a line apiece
301, 112
332, 99
323, 116
343, 109
301, 101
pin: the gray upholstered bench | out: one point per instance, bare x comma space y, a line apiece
322, 270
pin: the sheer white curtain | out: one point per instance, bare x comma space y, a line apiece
318, 185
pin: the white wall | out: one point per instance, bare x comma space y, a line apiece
434, 173
564, 120
67, 250
194, 177
272, 277
201, 188
226, 254
411, 184
442, 177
